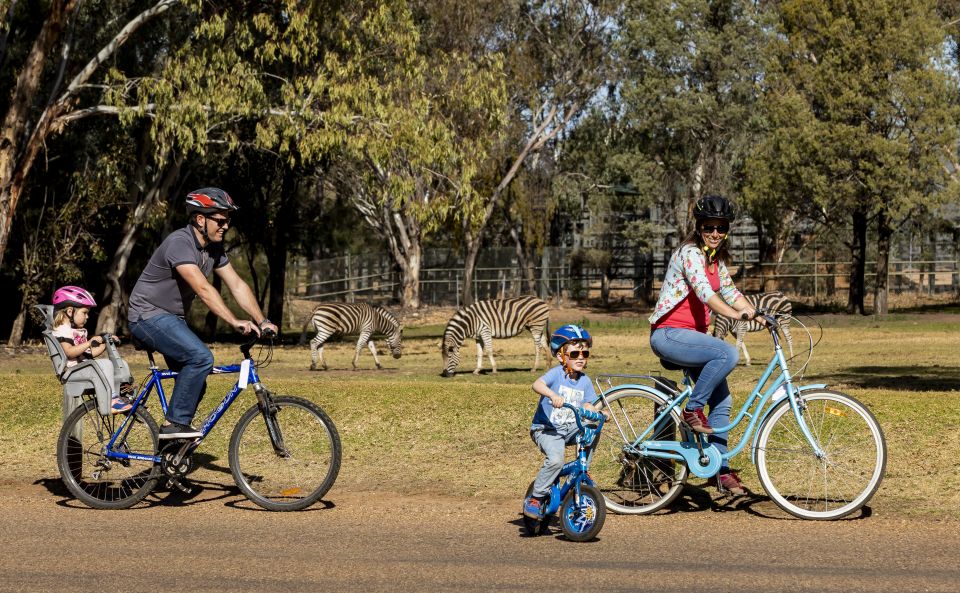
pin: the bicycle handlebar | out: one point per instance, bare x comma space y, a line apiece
254, 338
579, 413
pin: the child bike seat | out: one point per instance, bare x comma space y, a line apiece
101, 378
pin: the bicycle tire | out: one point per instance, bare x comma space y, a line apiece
839, 484
632, 484
294, 482
582, 522
93, 479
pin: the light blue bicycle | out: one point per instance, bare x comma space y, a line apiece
819, 453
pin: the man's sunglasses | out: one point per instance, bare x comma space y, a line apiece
575, 354
221, 222
709, 228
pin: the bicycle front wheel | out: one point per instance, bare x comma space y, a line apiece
292, 469
631, 483
839, 483
96, 480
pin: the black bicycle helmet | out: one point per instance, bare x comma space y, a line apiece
208, 200
714, 207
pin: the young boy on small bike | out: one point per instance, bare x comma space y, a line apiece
554, 426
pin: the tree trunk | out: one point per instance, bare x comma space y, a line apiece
469, 267
16, 332
410, 277
858, 253
884, 232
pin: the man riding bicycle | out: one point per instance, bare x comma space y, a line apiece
176, 273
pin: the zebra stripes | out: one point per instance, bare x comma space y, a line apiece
485, 320
330, 319
773, 302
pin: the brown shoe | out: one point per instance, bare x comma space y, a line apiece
697, 421
728, 482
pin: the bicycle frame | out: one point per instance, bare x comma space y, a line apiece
576, 468
702, 458
248, 376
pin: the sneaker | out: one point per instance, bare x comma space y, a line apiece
728, 482
120, 405
697, 421
533, 507
179, 431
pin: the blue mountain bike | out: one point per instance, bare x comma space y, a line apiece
284, 453
819, 453
573, 493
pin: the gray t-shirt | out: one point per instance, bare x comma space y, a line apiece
160, 289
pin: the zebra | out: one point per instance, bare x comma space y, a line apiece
773, 302
353, 318
485, 320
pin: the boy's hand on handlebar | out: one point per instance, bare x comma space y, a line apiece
556, 401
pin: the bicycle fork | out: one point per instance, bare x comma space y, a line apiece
269, 412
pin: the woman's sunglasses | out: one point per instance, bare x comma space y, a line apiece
575, 354
709, 228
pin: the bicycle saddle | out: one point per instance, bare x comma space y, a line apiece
670, 366
138, 345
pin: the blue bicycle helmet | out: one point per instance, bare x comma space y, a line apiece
569, 333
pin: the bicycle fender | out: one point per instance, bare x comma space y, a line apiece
769, 410
631, 387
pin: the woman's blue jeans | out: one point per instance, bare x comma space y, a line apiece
184, 353
710, 360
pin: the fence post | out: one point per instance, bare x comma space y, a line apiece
816, 267
457, 292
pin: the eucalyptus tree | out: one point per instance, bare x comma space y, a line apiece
690, 72
860, 119
49, 91
423, 128
556, 56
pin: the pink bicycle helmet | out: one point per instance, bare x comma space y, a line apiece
72, 296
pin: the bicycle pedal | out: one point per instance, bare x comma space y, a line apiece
181, 487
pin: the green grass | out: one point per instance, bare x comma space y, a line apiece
406, 429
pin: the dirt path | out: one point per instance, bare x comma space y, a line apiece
377, 541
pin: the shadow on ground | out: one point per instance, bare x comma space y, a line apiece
896, 378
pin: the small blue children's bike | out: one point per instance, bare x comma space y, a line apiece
284, 453
580, 503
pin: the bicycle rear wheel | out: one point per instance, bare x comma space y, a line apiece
305, 468
94, 479
631, 483
849, 473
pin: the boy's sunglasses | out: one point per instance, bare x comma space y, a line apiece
709, 228
221, 222
575, 354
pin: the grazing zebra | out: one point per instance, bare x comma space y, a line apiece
349, 319
773, 302
485, 320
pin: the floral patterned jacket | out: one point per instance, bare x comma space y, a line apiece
686, 271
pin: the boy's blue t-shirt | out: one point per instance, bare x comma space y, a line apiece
573, 391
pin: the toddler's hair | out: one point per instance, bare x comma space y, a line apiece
61, 317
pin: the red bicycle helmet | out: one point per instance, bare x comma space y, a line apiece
208, 200
72, 296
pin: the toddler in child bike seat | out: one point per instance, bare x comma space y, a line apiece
554, 427
72, 306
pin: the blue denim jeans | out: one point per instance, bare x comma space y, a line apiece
710, 360
184, 353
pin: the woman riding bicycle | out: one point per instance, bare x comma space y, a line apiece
696, 283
